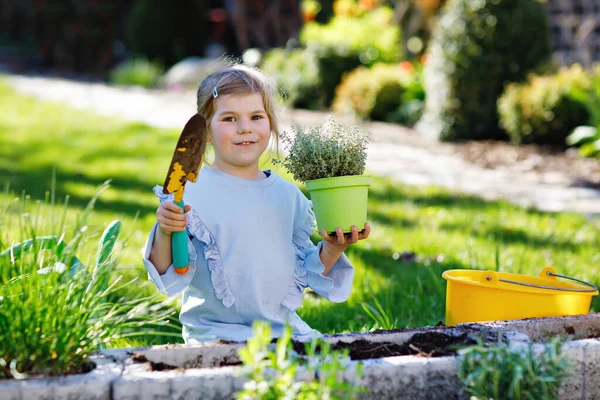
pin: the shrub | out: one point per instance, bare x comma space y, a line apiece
541, 110
347, 42
325, 151
477, 46
297, 75
167, 31
325, 12
138, 71
383, 92
587, 137
358, 91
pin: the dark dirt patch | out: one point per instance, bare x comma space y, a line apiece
427, 344
230, 361
32, 373
222, 341
592, 333
160, 366
423, 344
155, 366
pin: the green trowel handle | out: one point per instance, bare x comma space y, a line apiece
180, 248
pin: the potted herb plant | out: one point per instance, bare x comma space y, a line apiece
330, 159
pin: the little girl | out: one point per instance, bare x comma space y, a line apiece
249, 248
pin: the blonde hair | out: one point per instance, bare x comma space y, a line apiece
238, 79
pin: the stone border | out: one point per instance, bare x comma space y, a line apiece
202, 371
95, 385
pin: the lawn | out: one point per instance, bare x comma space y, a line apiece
417, 232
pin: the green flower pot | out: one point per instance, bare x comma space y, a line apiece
340, 201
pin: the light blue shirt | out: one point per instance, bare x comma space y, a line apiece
251, 258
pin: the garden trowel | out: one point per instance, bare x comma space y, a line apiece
185, 166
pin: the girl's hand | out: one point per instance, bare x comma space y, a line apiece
342, 241
170, 218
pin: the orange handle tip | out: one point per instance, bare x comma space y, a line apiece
182, 271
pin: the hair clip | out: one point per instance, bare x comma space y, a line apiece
215, 93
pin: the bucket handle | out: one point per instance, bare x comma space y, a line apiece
551, 272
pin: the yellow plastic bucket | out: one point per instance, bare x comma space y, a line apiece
478, 296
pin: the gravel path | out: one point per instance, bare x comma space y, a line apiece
527, 176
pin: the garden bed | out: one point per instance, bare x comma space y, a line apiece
422, 342
429, 370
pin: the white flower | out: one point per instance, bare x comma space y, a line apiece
57, 267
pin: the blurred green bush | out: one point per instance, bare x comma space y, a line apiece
325, 11
345, 43
541, 110
168, 31
478, 46
384, 92
587, 137
297, 75
138, 71
358, 91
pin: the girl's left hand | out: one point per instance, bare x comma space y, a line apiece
342, 241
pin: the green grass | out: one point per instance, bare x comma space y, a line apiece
444, 230
58, 303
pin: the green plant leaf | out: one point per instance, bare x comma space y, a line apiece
582, 134
590, 149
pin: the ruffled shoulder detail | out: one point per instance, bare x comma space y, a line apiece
302, 247
306, 227
217, 274
158, 191
213, 257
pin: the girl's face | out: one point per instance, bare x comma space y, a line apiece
239, 131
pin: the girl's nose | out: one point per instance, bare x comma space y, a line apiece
243, 126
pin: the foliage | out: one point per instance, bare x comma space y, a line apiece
477, 47
542, 110
167, 31
381, 316
353, 8
297, 75
587, 137
310, 9
322, 10
324, 151
359, 89
412, 98
385, 92
498, 372
344, 43
54, 311
138, 71
272, 374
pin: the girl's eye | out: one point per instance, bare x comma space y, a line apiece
228, 119
257, 117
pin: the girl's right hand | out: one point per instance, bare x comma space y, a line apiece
170, 218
